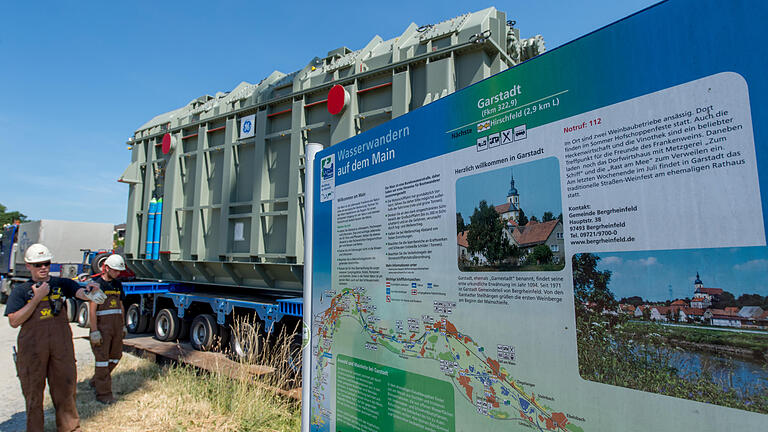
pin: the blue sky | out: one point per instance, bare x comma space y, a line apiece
533, 181
77, 78
650, 274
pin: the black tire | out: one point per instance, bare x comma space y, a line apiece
167, 325
245, 343
3, 298
224, 336
82, 315
135, 321
71, 309
203, 332
294, 366
98, 260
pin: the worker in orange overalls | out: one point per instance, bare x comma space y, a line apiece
45, 344
108, 328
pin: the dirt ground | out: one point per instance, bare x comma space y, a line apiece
12, 413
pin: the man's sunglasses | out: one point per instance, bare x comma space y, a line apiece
42, 264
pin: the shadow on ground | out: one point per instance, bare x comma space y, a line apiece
124, 382
17, 423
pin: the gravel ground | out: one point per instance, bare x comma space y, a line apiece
12, 413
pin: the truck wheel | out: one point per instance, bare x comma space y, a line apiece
98, 260
294, 365
203, 332
135, 321
167, 325
3, 297
82, 315
224, 335
245, 343
71, 309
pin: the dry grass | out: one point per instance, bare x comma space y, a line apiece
182, 398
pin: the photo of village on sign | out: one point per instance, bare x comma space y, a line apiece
510, 219
689, 323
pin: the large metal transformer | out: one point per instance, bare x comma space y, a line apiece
232, 203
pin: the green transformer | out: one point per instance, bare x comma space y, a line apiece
225, 173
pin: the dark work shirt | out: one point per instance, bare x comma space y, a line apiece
22, 292
111, 287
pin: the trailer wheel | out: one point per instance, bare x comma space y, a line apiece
245, 343
224, 336
203, 332
82, 315
98, 260
71, 309
167, 325
294, 366
135, 321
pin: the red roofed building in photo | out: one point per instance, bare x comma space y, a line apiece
704, 297
549, 233
526, 237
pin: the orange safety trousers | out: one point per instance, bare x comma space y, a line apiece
45, 353
108, 354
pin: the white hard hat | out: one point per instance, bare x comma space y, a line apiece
37, 253
115, 262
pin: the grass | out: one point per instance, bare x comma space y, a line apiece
509, 267
179, 397
757, 343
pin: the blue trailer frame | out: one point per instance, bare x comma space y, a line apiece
183, 298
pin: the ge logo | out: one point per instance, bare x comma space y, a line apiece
247, 126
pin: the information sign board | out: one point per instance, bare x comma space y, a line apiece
575, 244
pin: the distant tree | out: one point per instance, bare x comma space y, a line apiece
522, 220
486, 234
7, 217
590, 285
726, 300
560, 217
534, 218
667, 302
647, 314
460, 227
750, 300
542, 254
634, 300
548, 216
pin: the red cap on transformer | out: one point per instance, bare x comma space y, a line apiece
166, 143
337, 99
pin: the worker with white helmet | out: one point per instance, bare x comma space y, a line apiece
108, 328
45, 344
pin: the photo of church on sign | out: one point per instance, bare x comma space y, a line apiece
510, 219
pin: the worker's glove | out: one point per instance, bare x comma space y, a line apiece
95, 294
96, 338
125, 331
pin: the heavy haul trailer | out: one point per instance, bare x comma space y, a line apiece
217, 187
174, 310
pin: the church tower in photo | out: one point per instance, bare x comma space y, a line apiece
513, 199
